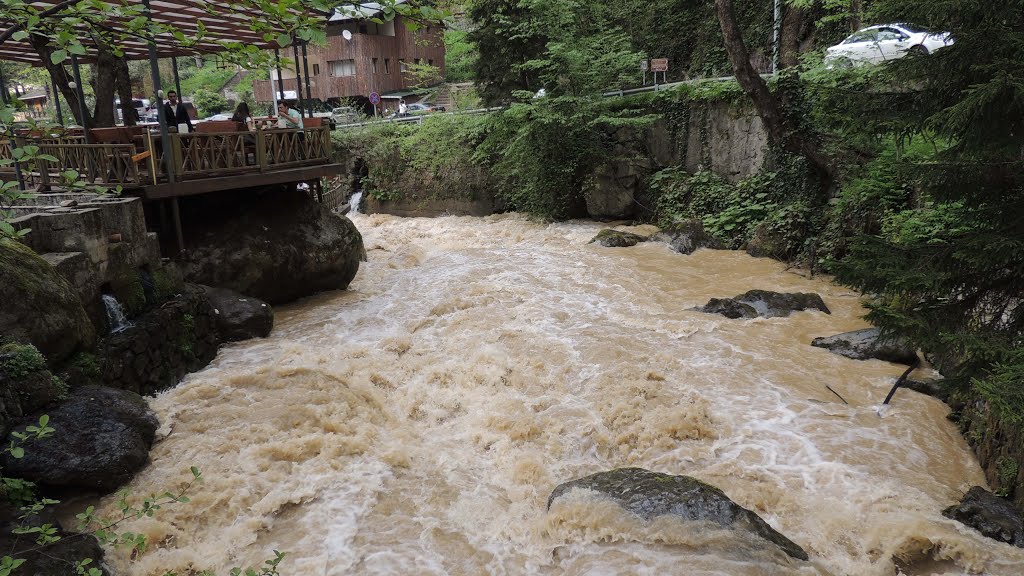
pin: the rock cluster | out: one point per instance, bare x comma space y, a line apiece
868, 344
687, 236
764, 303
610, 238
649, 494
989, 514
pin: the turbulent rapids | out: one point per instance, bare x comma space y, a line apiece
417, 423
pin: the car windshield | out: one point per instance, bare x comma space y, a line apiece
914, 28
862, 36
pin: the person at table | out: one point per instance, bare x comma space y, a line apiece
175, 112
291, 116
242, 116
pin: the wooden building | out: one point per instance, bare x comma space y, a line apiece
363, 57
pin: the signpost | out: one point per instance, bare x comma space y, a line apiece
660, 65
374, 99
643, 69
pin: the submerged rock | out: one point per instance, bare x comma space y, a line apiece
687, 236
989, 514
278, 248
764, 303
239, 317
617, 239
38, 305
649, 494
868, 344
102, 437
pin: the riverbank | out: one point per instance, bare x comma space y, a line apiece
423, 417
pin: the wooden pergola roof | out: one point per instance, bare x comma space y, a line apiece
222, 22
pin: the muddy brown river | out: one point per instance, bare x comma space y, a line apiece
416, 423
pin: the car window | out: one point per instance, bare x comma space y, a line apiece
914, 28
889, 34
862, 36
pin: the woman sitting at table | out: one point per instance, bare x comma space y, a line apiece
242, 116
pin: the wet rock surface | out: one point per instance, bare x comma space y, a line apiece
163, 345
278, 247
649, 494
991, 515
101, 438
610, 238
868, 344
57, 559
687, 236
39, 305
239, 317
765, 304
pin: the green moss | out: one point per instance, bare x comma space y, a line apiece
20, 360
188, 336
1006, 475
127, 288
166, 285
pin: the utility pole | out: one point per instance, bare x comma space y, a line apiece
776, 33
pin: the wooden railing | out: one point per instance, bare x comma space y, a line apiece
203, 155
106, 164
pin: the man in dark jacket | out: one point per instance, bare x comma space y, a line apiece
175, 111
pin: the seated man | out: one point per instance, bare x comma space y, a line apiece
291, 116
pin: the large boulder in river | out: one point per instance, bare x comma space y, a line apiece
649, 494
686, 236
989, 514
239, 317
277, 247
610, 238
764, 303
37, 305
101, 438
868, 344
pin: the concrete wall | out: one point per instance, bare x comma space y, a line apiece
96, 242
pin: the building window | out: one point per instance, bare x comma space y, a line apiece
401, 65
387, 65
343, 67
373, 65
416, 61
316, 69
430, 61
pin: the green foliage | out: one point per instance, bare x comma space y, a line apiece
460, 56
209, 102
20, 360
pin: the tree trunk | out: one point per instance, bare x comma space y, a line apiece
780, 132
103, 84
789, 36
123, 81
856, 14
62, 79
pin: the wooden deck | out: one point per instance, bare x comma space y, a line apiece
200, 162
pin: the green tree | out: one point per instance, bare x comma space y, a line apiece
950, 272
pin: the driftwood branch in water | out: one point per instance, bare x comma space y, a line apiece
901, 380
837, 394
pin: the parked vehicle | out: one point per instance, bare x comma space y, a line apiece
884, 42
142, 108
422, 107
347, 115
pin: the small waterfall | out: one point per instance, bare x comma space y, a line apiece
115, 314
354, 201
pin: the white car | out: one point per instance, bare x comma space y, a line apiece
876, 44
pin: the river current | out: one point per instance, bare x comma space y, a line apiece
416, 423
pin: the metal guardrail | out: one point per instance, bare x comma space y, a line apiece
418, 118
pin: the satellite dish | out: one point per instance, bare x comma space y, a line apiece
346, 34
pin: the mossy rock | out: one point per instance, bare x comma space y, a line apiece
649, 494
686, 236
39, 305
764, 303
610, 238
26, 383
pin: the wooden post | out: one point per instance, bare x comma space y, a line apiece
176, 214
305, 74
298, 78
154, 71
261, 150
56, 103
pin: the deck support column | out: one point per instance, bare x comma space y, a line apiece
3, 88
56, 103
177, 80
154, 70
176, 214
305, 73
298, 77
80, 93
280, 82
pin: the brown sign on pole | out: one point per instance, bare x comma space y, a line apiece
659, 64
